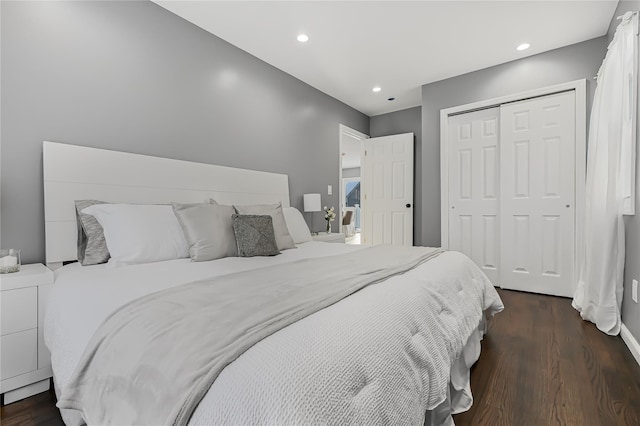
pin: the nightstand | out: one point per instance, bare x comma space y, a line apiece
328, 238
25, 367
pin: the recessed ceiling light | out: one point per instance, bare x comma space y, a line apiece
523, 46
377, 89
303, 38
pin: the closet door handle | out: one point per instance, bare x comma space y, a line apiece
408, 205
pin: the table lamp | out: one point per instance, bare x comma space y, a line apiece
312, 203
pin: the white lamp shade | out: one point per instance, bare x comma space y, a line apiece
312, 203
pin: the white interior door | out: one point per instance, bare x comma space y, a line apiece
474, 187
537, 149
387, 190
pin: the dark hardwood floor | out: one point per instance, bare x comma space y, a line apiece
38, 410
540, 365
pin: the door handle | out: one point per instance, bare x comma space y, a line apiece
408, 205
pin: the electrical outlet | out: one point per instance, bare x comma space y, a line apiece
329, 190
634, 290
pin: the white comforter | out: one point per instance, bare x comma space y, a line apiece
338, 365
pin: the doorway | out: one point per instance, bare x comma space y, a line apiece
376, 188
350, 178
352, 208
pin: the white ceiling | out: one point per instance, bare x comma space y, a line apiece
397, 45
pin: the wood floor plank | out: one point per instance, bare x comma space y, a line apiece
540, 365
559, 370
37, 410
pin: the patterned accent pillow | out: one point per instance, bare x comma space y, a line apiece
92, 247
281, 232
254, 235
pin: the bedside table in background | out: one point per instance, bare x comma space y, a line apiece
25, 367
329, 238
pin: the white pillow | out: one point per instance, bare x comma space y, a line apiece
296, 224
140, 233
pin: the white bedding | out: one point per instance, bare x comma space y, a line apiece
333, 363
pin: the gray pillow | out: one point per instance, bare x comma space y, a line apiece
283, 238
254, 235
208, 230
92, 247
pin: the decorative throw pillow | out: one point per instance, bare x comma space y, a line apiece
140, 233
254, 235
283, 238
208, 229
92, 247
296, 225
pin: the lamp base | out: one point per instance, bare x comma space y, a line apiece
311, 230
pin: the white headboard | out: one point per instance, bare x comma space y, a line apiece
79, 173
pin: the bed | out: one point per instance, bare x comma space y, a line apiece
397, 351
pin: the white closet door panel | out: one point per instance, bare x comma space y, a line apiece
537, 211
489, 240
474, 188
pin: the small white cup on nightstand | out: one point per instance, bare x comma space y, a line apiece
9, 261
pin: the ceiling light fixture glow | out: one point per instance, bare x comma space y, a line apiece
523, 46
303, 38
377, 89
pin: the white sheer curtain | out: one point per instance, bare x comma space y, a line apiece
598, 295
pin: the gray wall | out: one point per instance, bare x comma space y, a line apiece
578, 61
406, 121
131, 76
630, 309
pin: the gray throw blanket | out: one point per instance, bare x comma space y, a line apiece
154, 359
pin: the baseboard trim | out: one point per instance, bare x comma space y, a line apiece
26, 391
631, 342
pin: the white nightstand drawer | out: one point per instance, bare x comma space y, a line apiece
19, 310
25, 362
19, 353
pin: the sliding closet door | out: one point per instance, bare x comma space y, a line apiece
537, 197
474, 187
